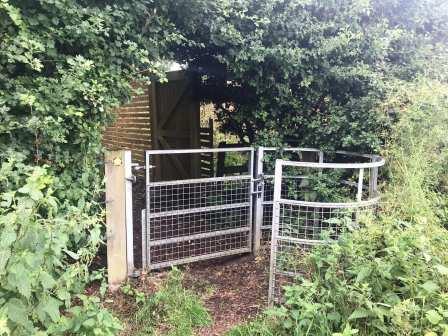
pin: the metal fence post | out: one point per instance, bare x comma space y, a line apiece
360, 185
146, 254
129, 179
275, 226
251, 241
144, 243
259, 194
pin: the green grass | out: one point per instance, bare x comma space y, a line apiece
172, 311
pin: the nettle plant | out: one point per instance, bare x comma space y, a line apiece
45, 250
64, 65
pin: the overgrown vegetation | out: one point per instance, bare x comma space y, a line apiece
172, 310
389, 277
63, 65
311, 73
281, 71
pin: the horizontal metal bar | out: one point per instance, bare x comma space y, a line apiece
200, 180
197, 150
264, 227
368, 156
211, 234
288, 177
198, 258
360, 204
304, 241
197, 210
305, 149
333, 165
292, 149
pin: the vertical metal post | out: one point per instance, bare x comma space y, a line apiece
321, 160
147, 251
128, 212
373, 182
144, 246
321, 156
259, 196
360, 182
251, 208
275, 226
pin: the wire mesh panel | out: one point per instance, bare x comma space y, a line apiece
198, 218
299, 224
266, 157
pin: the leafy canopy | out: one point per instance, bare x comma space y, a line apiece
307, 72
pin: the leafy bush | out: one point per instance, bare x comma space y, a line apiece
386, 279
390, 276
64, 65
173, 309
311, 73
45, 248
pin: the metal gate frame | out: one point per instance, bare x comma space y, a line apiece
146, 224
263, 205
304, 242
257, 204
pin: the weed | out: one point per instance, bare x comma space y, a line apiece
172, 311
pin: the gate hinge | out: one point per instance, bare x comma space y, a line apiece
137, 166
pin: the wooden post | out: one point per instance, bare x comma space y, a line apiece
118, 217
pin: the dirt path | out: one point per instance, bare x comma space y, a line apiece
233, 291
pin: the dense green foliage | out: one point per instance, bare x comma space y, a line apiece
307, 72
389, 277
172, 310
63, 65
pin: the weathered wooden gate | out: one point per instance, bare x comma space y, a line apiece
175, 124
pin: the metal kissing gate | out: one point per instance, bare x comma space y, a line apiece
197, 212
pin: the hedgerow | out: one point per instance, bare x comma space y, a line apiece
64, 65
308, 73
390, 276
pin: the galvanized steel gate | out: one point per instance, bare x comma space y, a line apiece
198, 218
201, 218
298, 224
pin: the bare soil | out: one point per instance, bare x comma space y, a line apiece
233, 290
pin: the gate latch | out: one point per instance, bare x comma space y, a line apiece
131, 178
258, 185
